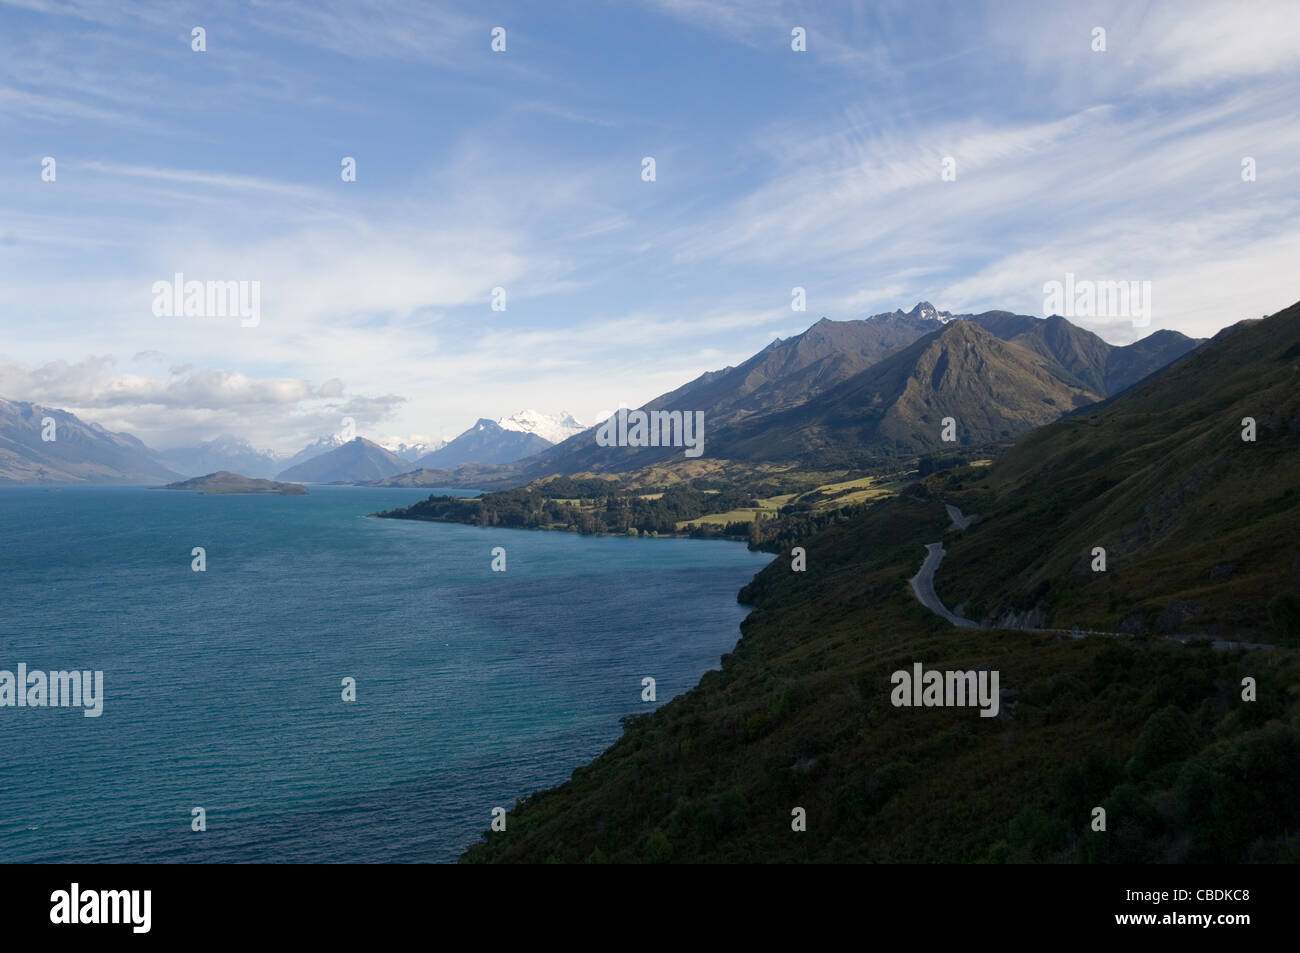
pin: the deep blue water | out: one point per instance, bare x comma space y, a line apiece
222, 688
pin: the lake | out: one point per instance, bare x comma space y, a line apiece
223, 688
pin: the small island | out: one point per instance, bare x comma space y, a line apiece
225, 482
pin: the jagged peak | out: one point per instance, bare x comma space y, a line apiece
923, 310
928, 312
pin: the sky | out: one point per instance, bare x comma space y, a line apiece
522, 169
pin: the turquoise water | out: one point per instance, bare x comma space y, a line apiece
222, 688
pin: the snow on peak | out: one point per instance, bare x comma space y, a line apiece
324, 444
414, 450
552, 428
226, 443
928, 312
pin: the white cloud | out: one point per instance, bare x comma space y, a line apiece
375, 294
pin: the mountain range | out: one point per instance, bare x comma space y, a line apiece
45, 445
237, 455
840, 393
1200, 525
89, 453
487, 442
224, 453
503, 441
414, 451
843, 391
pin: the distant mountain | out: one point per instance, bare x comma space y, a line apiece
1201, 530
1134, 362
551, 429
222, 482
784, 374
475, 475
414, 451
79, 453
1088, 360
313, 450
225, 453
419, 477
502, 441
358, 461
992, 389
752, 410
790, 371
486, 442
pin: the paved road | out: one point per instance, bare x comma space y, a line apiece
961, 522
923, 586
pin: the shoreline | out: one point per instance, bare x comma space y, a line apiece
562, 529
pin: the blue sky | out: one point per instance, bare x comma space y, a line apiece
522, 170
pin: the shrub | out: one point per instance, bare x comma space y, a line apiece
1284, 613
658, 849
1168, 737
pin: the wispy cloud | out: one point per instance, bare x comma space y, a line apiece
22, 103
218, 180
378, 29
521, 170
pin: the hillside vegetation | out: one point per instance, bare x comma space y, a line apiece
799, 716
764, 505
1164, 736
871, 394
1201, 529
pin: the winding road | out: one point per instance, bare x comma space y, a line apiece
961, 522
923, 581
923, 588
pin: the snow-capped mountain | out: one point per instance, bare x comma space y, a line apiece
313, 449
918, 318
357, 461
928, 312
503, 441
223, 453
555, 429
414, 451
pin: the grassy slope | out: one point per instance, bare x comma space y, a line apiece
828, 496
799, 714
1160, 477
815, 494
